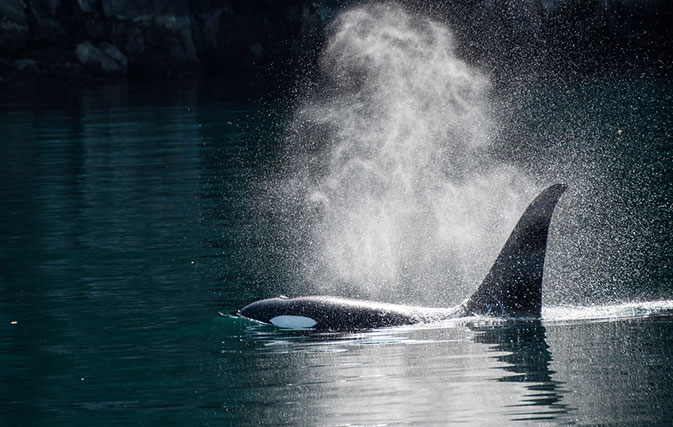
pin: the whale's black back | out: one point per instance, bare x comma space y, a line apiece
513, 286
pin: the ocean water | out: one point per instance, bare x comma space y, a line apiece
131, 216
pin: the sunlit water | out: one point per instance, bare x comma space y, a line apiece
131, 217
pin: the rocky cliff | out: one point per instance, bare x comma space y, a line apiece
69, 41
63, 42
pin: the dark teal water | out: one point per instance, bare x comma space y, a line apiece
129, 220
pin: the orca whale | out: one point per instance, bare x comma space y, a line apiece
512, 288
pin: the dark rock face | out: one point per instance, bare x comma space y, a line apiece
14, 31
48, 25
102, 59
75, 41
133, 9
87, 6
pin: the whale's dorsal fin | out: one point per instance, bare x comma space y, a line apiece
513, 287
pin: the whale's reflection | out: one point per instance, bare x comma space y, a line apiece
413, 375
527, 359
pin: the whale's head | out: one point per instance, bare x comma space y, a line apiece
277, 311
263, 310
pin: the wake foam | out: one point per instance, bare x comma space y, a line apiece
621, 311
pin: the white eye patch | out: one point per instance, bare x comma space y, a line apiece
293, 322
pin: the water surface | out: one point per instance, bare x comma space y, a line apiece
129, 220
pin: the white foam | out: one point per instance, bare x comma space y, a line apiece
606, 312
